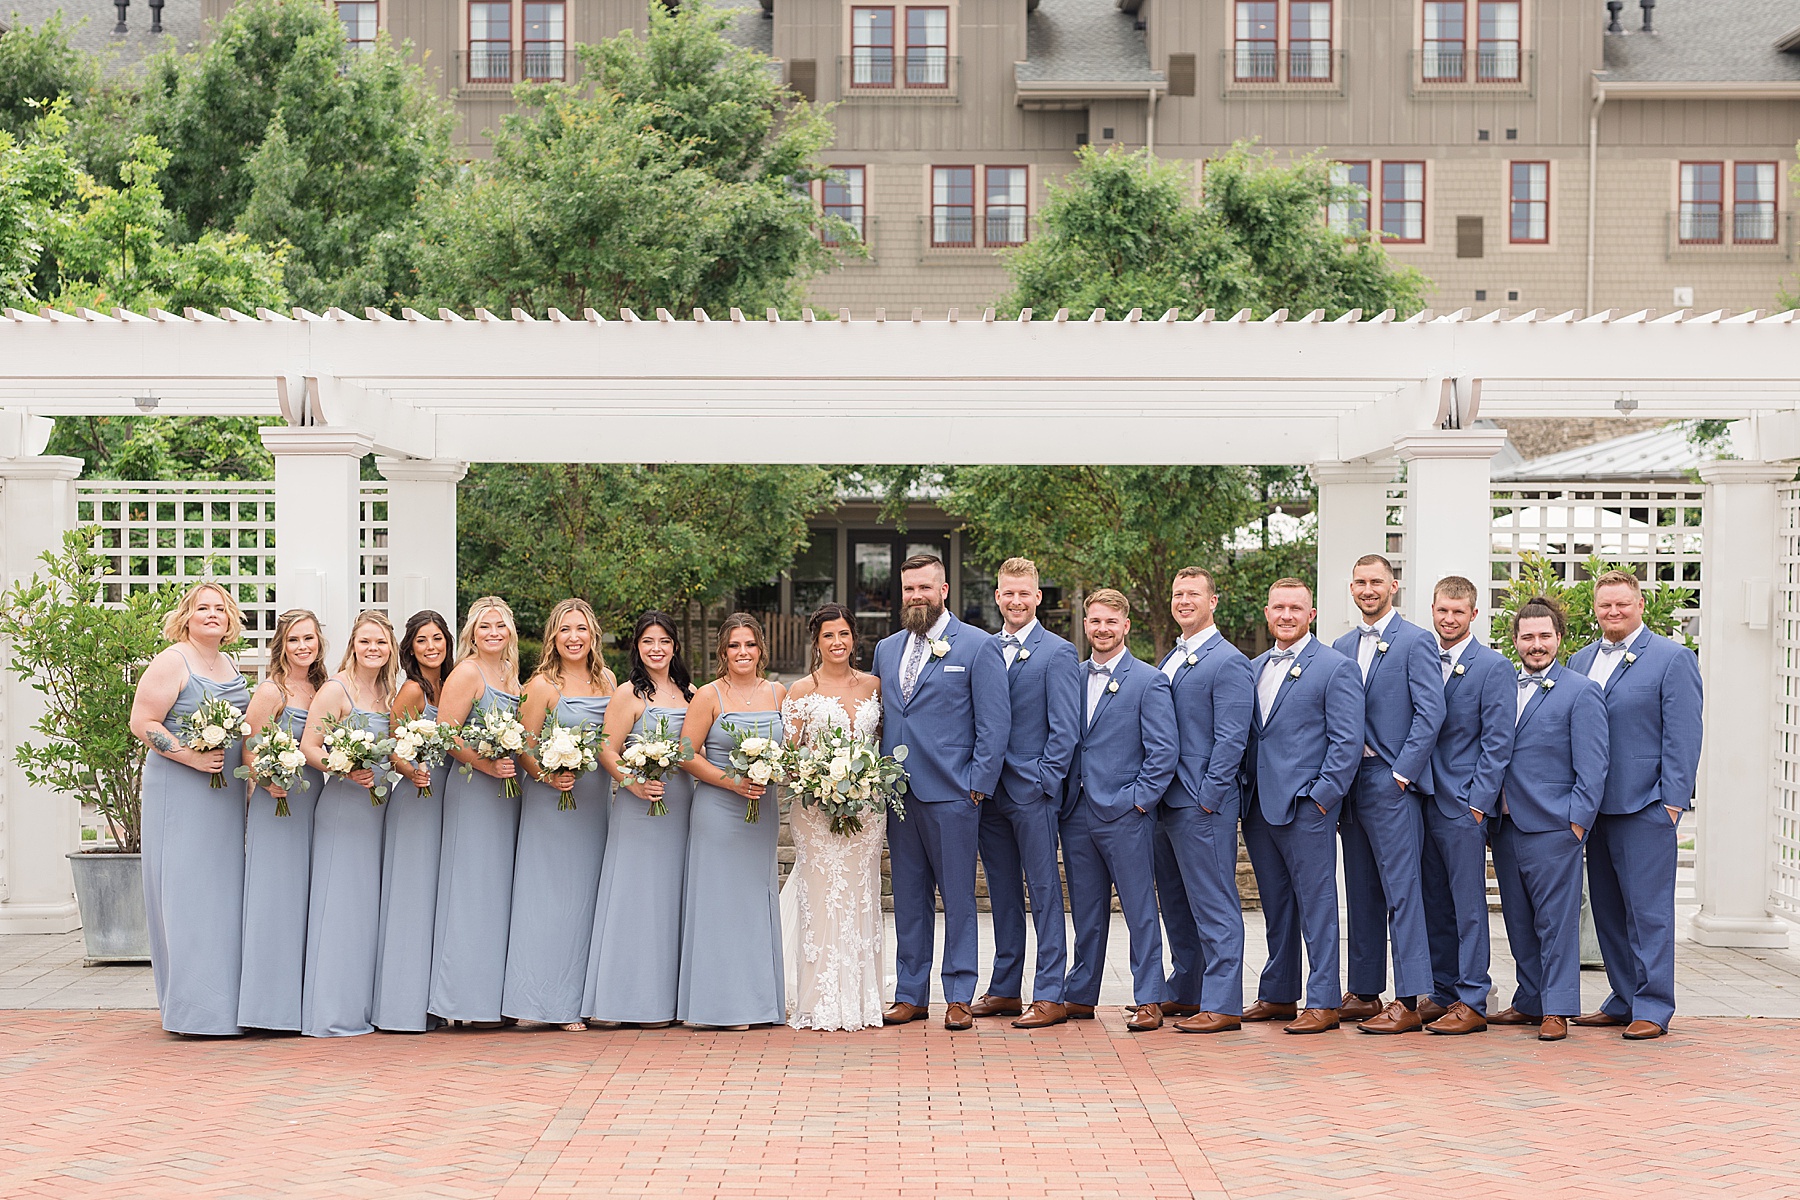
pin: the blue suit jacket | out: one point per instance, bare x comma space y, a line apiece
1311, 744
1653, 710
1476, 740
955, 725
1404, 699
1046, 705
1215, 701
1558, 767
1128, 751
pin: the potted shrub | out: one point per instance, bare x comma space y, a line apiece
84, 655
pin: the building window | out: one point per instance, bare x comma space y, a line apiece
1309, 41
1403, 201
843, 192
1702, 201
1256, 45
360, 20
544, 40
1006, 206
927, 47
953, 206
872, 47
1528, 199
490, 42
1497, 41
1349, 214
1753, 202
1446, 33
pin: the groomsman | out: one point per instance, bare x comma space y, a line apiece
943, 696
1018, 826
1548, 802
1383, 822
1305, 744
1197, 825
1122, 768
1652, 691
1468, 765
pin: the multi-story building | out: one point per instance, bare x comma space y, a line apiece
1548, 154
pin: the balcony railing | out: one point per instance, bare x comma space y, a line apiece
479, 66
1297, 70
1453, 70
1743, 235
952, 233
927, 75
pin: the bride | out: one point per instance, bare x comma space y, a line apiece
831, 922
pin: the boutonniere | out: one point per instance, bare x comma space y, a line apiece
1630, 657
939, 647
1112, 685
1381, 647
1192, 659
1548, 684
1022, 655
1294, 671
1458, 669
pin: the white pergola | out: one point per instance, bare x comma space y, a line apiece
1346, 398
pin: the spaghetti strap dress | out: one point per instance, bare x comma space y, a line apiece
277, 879
411, 846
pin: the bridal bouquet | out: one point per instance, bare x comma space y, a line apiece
278, 764
844, 777
495, 734
213, 726
424, 743
650, 756
760, 759
571, 748
350, 745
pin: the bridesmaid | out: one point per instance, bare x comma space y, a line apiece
412, 841
192, 832
557, 871
278, 850
731, 970
344, 915
481, 828
635, 960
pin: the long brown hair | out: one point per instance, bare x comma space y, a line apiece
279, 669
388, 679
821, 616
550, 661
741, 620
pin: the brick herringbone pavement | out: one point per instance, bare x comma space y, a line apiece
104, 1103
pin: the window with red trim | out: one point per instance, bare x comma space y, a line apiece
545, 44
1403, 201
953, 206
361, 21
490, 41
1256, 46
1446, 41
1528, 203
843, 199
1701, 216
927, 47
871, 47
1006, 206
1497, 52
1349, 214
1309, 41
1753, 202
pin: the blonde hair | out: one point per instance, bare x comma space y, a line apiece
739, 620
175, 625
465, 641
1618, 579
388, 678
1288, 581
550, 661
1454, 587
1022, 568
278, 668
1111, 598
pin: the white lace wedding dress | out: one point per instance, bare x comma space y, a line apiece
831, 923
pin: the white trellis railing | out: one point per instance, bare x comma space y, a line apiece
372, 540
1784, 876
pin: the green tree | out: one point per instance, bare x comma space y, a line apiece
39, 67
1539, 576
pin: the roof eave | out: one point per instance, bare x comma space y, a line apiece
1697, 89
1035, 92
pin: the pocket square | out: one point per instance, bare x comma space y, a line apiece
949, 668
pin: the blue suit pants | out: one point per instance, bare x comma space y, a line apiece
1196, 884
932, 853
1384, 835
1631, 884
1101, 857
1456, 912
1018, 852
1296, 876
1540, 897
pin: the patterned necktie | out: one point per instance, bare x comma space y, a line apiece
909, 674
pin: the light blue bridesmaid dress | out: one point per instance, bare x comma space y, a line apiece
193, 860
634, 963
277, 875
731, 968
474, 899
555, 879
345, 912
410, 853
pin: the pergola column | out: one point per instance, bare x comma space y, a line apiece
1352, 515
1738, 758
421, 545
1449, 513
37, 826
318, 478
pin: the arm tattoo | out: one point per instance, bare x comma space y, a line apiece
161, 741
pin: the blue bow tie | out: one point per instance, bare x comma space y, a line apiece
1444, 657
1369, 631
1612, 647
1527, 679
1008, 639
1095, 668
1282, 655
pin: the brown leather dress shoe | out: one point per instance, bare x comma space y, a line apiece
1080, 1012
997, 1006
1458, 1018
900, 1012
1350, 1008
1269, 1010
1430, 1010
1148, 1017
1512, 1016
1597, 1020
1642, 1031
1172, 1009
958, 1016
1042, 1014
1208, 1022
1554, 1029
1313, 1020
1395, 1018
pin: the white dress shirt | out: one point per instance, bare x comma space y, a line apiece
1011, 651
1455, 652
1365, 641
1527, 689
1185, 647
1097, 680
1604, 664
1272, 674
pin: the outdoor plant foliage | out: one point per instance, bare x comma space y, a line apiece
1538, 576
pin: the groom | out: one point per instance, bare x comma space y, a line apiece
943, 697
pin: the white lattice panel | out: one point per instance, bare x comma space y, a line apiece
1784, 881
372, 540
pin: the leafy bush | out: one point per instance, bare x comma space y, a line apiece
1538, 576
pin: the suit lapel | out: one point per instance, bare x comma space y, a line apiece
1029, 645
1120, 667
1375, 660
931, 661
1287, 677
1635, 648
1537, 700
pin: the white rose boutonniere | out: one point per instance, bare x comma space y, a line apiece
1023, 654
1459, 669
1549, 683
1112, 686
1630, 657
1193, 659
1294, 671
1381, 647
939, 647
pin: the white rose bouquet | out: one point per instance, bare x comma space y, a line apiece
278, 764
494, 734
350, 745
425, 744
571, 748
650, 756
213, 726
845, 777
759, 758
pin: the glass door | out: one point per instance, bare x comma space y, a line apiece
875, 558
